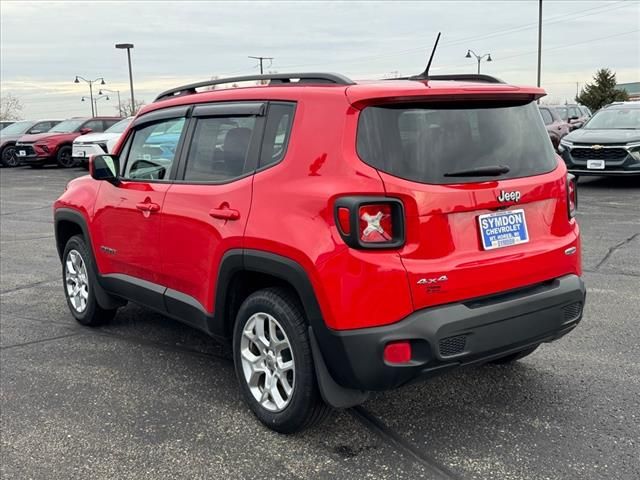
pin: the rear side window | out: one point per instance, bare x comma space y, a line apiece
424, 143
546, 116
276, 134
219, 149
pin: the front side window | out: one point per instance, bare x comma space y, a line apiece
574, 112
153, 149
219, 149
94, 125
440, 143
546, 116
68, 126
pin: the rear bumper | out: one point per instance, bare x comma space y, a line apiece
454, 335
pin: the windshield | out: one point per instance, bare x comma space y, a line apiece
119, 127
428, 143
16, 128
68, 126
611, 119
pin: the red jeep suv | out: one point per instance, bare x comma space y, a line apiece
55, 145
344, 237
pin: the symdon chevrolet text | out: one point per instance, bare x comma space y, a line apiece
344, 237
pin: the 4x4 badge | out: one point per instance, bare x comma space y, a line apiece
509, 196
428, 281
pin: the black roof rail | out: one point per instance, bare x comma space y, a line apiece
275, 78
458, 77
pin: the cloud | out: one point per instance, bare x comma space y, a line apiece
44, 45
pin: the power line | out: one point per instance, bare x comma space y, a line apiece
262, 59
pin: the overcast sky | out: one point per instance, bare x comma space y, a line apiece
44, 45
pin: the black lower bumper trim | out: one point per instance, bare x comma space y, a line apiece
454, 335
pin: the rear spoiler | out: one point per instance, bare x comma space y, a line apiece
363, 95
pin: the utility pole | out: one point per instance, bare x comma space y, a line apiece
262, 59
539, 39
577, 88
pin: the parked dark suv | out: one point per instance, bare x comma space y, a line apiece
343, 237
10, 135
609, 144
54, 146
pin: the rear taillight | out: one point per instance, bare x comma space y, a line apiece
370, 222
572, 195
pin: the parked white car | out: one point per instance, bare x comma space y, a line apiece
98, 143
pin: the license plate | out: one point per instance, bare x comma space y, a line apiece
503, 229
22, 153
595, 164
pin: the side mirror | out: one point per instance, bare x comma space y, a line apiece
35, 132
85, 130
104, 167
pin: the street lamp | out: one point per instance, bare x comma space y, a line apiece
128, 47
90, 82
113, 91
478, 57
94, 102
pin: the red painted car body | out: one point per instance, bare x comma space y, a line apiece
44, 148
174, 233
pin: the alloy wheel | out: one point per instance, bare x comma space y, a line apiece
76, 281
9, 157
267, 362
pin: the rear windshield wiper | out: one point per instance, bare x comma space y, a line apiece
488, 171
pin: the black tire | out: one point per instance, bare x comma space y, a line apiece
305, 406
64, 158
515, 356
92, 314
8, 156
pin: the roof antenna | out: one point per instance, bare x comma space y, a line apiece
425, 75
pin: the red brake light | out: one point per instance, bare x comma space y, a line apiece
397, 352
572, 195
375, 223
344, 220
370, 222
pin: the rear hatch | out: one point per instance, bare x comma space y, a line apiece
483, 191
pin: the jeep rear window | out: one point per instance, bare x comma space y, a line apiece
422, 143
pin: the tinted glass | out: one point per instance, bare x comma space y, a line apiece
17, 128
423, 143
546, 116
219, 149
563, 113
610, 119
68, 126
574, 112
120, 126
276, 134
94, 125
153, 149
42, 126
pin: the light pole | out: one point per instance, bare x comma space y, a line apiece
478, 57
90, 82
94, 102
113, 91
128, 47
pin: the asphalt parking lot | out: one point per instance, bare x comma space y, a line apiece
148, 398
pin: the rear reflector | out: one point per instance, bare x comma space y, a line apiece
572, 195
397, 352
344, 220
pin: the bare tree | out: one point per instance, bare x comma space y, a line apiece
124, 109
10, 107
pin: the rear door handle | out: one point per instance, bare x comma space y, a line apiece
147, 207
224, 213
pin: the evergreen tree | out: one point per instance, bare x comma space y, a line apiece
602, 91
